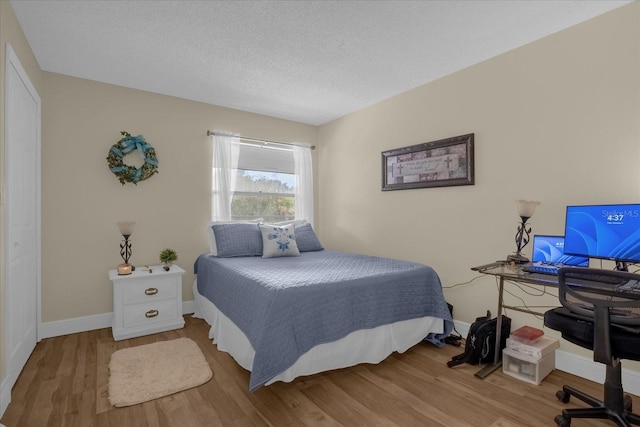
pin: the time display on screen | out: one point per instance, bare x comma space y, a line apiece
619, 216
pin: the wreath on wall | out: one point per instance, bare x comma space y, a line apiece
128, 144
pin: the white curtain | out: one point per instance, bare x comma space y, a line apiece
304, 183
226, 149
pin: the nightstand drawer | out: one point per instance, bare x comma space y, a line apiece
151, 289
149, 313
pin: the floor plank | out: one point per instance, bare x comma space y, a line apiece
65, 384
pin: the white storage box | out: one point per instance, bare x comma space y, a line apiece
537, 350
527, 368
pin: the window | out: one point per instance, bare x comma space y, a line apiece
263, 194
265, 184
249, 181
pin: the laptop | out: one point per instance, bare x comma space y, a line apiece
548, 256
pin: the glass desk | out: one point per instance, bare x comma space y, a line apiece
515, 273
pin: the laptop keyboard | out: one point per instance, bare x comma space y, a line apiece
543, 268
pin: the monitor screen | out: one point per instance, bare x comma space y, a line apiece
603, 231
550, 249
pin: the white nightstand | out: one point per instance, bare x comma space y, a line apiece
146, 303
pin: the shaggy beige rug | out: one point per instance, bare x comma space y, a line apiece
147, 372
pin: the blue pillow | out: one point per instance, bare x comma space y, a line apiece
306, 238
238, 239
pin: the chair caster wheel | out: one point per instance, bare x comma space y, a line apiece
563, 396
562, 421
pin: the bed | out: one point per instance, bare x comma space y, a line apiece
281, 317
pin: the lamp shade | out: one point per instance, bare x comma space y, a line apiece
526, 208
126, 227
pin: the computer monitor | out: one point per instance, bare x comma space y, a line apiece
550, 250
603, 231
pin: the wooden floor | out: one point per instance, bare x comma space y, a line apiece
65, 384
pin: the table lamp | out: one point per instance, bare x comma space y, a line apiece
525, 209
126, 229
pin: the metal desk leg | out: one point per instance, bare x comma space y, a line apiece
497, 360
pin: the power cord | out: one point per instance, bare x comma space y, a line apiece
464, 283
456, 339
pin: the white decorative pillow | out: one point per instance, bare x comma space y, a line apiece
213, 248
278, 241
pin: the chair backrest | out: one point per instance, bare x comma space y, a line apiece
582, 295
602, 303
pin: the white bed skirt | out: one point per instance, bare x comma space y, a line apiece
362, 346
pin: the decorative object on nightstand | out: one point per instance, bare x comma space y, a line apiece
526, 209
168, 257
126, 229
147, 301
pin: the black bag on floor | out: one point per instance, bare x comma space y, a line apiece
480, 343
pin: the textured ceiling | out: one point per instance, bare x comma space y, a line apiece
307, 61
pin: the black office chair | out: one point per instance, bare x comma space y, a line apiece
596, 316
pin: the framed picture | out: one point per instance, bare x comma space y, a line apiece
442, 163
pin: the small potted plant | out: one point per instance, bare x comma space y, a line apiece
168, 257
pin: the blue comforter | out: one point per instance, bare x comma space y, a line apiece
286, 306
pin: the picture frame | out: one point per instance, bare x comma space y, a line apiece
443, 163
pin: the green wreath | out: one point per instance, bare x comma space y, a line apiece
126, 145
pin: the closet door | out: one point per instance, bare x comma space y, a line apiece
22, 216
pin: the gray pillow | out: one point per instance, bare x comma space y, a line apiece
238, 239
306, 238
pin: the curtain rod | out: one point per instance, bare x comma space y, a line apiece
264, 141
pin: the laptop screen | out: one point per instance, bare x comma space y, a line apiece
550, 249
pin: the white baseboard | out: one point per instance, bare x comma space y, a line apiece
77, 324
461, 327
188, 307
586, 368
579, 366
88, 323
5, 397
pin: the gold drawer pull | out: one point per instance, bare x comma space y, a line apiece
151, 313
151, 291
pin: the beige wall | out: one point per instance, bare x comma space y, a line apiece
555, 121
10, 33
82, 200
